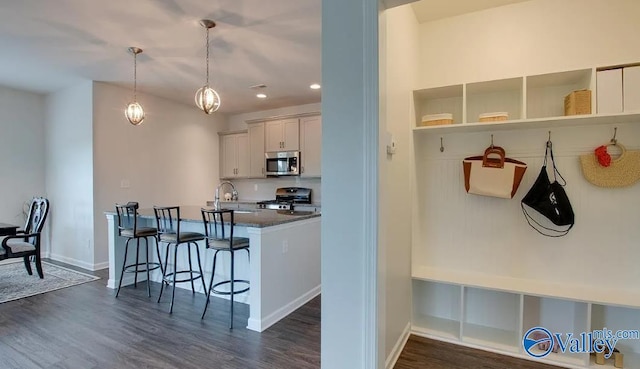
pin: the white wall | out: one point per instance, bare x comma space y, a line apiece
171, 159
399, 54
349, 169
531, 37
265, 189
69, 174
22, 151
470, 233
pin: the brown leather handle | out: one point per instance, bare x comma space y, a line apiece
493, 162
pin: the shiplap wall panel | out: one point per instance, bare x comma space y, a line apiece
459, 231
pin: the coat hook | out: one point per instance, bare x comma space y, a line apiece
615, 133
492, 141
441, 145
549, 136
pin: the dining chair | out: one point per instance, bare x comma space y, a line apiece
26, 242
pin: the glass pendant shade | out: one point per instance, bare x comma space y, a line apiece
207, 99
134, 113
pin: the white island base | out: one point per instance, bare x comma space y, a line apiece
284, 269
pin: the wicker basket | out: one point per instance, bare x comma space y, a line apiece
578, 103
436, 119
493, 117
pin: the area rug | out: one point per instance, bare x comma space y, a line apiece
15, 283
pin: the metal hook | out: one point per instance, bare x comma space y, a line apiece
549, 136
549, 140
492, 141
441, 146
615, 133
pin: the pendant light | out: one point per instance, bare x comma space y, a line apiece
134, 111
207, 99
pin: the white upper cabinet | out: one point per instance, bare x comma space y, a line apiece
234, 158
311, 146
256, 150
282, 135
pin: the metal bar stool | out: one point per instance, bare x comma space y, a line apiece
128, 227
168, 220
216, 237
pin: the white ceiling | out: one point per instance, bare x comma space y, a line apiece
49, 45
430, 10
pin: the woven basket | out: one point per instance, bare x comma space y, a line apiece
493, 117
623, 171
436, 120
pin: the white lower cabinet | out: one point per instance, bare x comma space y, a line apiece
498, 320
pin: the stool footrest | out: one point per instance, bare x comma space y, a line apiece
193, 275
127, 269
218, 292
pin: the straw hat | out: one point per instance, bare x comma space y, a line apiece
623, 171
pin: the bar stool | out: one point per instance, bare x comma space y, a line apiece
216, 239
127, 215
168, 220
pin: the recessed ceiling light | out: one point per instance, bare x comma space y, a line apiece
315, 86
261, 96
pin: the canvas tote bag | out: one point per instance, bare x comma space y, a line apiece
493, 174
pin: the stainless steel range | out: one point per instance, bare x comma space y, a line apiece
287, 198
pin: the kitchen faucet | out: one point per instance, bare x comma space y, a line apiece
216, 199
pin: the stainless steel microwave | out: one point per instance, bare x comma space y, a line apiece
282, 163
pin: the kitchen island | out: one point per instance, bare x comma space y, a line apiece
283, 271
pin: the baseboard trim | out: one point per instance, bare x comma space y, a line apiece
394, 355
74, 262
260, 325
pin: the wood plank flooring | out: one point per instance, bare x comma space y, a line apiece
85, 327
424, 353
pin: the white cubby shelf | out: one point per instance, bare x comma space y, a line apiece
493, 313
535, 101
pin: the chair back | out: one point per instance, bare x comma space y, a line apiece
168, 220
38, 211
127, 217
214, 225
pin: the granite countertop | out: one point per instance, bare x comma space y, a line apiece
256, 218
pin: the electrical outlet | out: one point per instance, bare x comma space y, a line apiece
255, 187
285, 246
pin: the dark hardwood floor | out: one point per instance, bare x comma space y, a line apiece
424, 353
85, 327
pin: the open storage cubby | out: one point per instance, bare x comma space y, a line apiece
617, 318
503, 95
439, 100
557, 316
546, 92
491, 319
436, 308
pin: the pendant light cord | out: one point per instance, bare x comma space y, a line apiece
207, 29
135, 76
